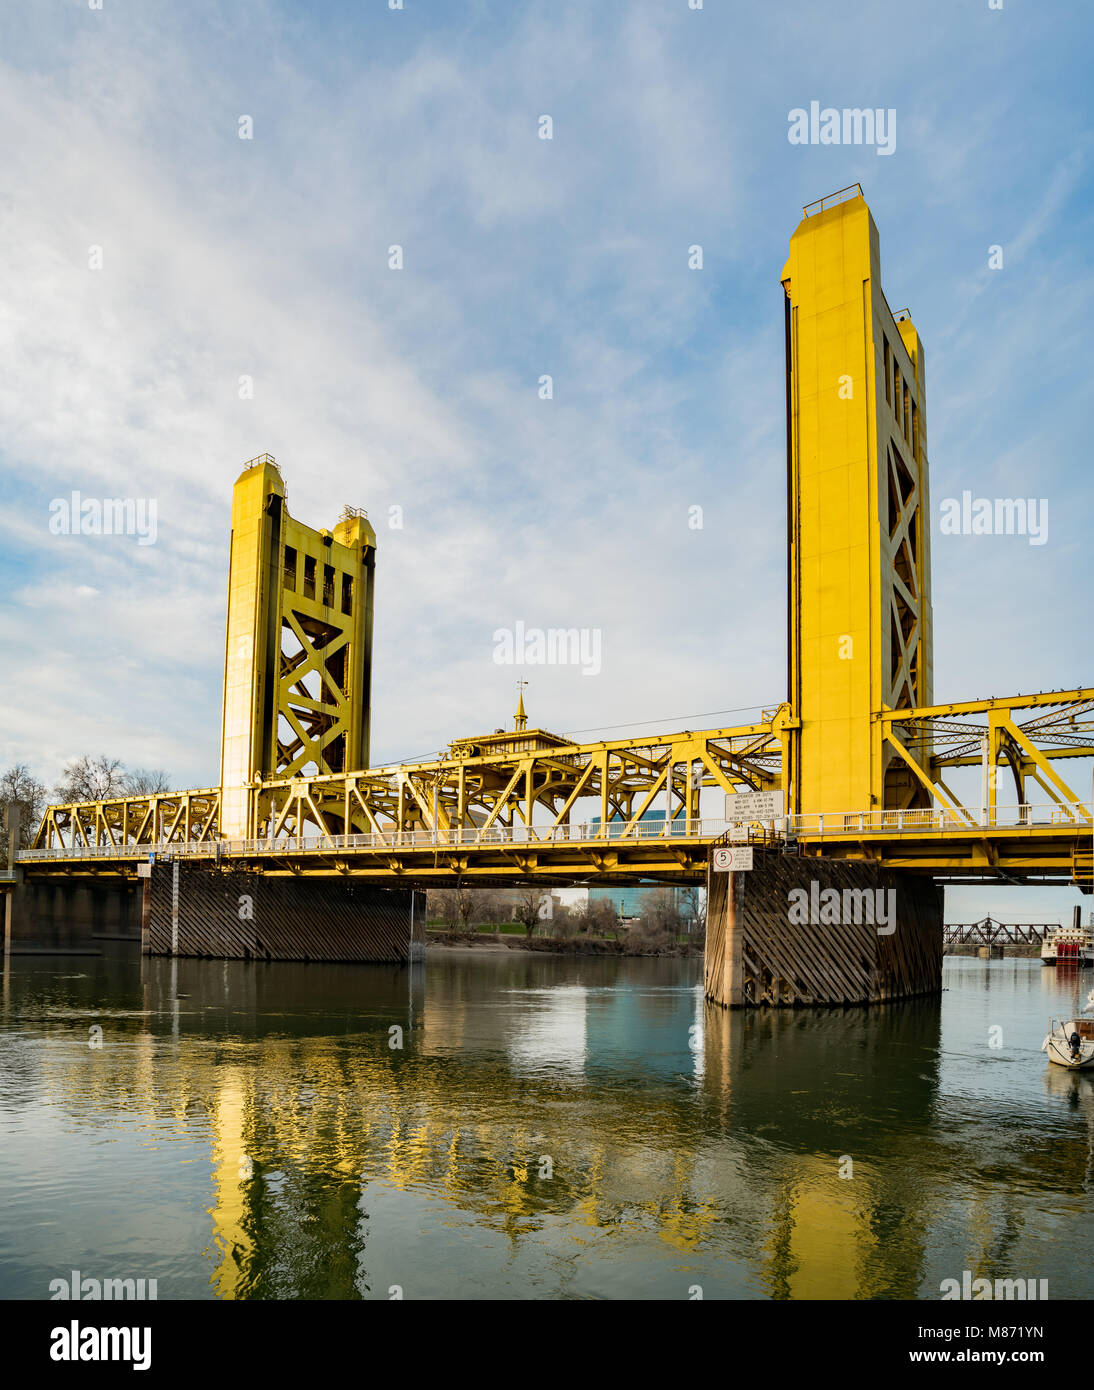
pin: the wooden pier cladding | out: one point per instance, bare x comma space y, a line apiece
234, 915
767, 944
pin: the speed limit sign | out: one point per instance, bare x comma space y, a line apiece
733, 860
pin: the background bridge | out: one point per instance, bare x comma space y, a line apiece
990, 933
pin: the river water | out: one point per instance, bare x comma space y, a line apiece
548, 1128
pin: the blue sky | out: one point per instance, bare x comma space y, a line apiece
268, 257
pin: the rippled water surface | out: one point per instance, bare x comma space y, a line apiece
549, 1128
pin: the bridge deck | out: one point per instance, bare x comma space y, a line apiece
1017, 843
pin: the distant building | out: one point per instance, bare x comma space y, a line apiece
632, 900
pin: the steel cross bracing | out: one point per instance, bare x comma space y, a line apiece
932, 740
531, 804
526, 804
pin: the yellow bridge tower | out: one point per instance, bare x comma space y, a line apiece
298, 653
859, 600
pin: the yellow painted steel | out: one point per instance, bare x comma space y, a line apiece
859, 564
529, 804
298, 649
858, 746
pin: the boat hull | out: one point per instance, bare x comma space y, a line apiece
1060, 1053
1058, 1044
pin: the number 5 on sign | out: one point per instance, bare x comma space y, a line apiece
733, 860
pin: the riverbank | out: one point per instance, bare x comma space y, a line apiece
631, 947
1017, 950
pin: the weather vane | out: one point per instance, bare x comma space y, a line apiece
520, 719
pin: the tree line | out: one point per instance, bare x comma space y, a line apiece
85, 778
464, 909
100, 778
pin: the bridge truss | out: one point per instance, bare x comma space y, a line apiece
989, 932
528, 804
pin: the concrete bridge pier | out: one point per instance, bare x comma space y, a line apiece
72, 915
821, 932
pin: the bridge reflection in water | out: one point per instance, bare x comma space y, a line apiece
549, 1128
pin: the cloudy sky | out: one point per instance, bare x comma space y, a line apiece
224, 258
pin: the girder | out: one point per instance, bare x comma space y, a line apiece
530, 805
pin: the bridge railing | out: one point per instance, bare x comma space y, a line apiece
939, 820
442, 838
829, 824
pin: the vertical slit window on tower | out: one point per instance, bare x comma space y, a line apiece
907, 416
347, 593
915, 432
896, 388
290, 567
309, 576
888, 375
328, 586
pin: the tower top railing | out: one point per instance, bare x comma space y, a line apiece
830, 200
259, 460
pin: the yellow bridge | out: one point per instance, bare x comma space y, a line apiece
865, 761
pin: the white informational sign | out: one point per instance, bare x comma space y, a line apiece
738, 834
144, 870
733, 861
751, 806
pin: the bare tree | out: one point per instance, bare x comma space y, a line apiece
526, 909
695, 908
562, 924
436, 900
18, 784
91, 779
144, 781
465, 905
454, 906
442, 903
602, 919
661, 912
659, 924
495, 905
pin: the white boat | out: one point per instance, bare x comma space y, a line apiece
1070, 1043
1068, 946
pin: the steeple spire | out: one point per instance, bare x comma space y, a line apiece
520, 719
